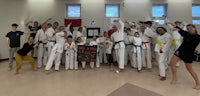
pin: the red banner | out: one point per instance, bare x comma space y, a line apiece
75, 22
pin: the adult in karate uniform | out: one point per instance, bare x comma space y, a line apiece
70, 48
51, 39
57, 50
118, 38
42, 48
162, 47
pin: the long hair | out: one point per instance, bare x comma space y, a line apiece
192, 25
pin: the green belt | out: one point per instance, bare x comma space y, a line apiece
52, 41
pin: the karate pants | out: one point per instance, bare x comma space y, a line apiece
50, 47
137, 58
102, 55
120, 57
162, 62
128, 55
146, 58
69, 63
42, 55
54, 56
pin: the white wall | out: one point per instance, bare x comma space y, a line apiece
20, 11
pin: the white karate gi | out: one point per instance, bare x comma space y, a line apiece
102, 50
70, 55
119, 46
128, 49
51, 39
57, 51
42, 48
163, 43
137, 56
146, 47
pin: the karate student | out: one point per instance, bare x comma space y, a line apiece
35, 27
50, 35
72, 32
102, 48
95, 42
80, 41
13, 42
118, 38
70, 48
57, 50
137, 51
109, 46
162, 47
22, 54
128, 47
146, 43
42, 48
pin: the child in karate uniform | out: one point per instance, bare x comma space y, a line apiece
109, 46
137, 55
70, 48
95, 42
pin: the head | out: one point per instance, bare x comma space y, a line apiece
71, 28
49, 25
105, 34
148, 23
136, 34
142, 28
94, 38
178, 23
79, 40
35, 23
30, 39
14, 27
80, 29
191, 29
69, 38
44, 27
161, 30
61, 28
55, 25
128, 31
125, 29
114, 28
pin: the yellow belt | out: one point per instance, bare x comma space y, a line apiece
160, 43
174, 41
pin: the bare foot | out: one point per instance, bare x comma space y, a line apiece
16, 73
173, 82
47, 72
197, 87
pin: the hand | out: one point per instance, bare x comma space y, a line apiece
171, 24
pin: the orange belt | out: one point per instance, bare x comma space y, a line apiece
144, 43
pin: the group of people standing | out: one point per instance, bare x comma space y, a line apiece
136, 44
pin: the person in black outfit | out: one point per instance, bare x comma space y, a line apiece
185, 52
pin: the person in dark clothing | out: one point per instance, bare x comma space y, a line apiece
22, 54
185, 52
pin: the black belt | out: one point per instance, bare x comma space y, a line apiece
118, 42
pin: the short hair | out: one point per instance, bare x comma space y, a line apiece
192, 25
14, 24
161, 28
70, 36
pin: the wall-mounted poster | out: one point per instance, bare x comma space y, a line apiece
93, 32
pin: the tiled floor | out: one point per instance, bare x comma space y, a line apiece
90, 82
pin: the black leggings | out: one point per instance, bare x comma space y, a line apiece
109, 58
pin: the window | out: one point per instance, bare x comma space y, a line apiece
196, 14
73, 11
112, 10
159, 12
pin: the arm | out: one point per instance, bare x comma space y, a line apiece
37, 36
36, 45
27, 24
46, 21
8, 43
